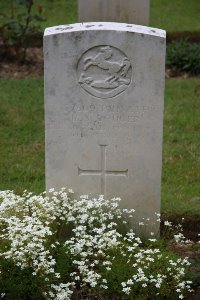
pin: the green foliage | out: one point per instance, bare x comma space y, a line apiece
64, 265
194, 271
184, 56
19, 23
19, 284
53, 12
121, 271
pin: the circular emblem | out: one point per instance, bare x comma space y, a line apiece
104, 71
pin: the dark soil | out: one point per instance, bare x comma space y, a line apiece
11, 64
190, 36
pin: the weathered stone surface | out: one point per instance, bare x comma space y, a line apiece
127, 11
104, 86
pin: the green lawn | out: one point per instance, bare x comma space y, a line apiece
22, 141
181, 155
175, 15
22, 135
171, 15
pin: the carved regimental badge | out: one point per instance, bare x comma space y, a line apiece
104, 71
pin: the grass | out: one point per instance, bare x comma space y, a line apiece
175, 15
22, 141
64, 12
181, 156
171, 15
22, 135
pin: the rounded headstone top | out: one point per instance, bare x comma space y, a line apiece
124, 27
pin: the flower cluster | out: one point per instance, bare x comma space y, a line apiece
177, 232
36, 230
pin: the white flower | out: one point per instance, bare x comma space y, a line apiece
126, 290
152, 240
167, 223
130, 281
123, 284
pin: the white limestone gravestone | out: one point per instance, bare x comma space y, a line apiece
104, 86
127, 11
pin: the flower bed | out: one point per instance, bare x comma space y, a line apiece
56, 247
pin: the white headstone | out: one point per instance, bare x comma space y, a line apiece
127, 11
104, 86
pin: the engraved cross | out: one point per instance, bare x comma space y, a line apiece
103, 172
